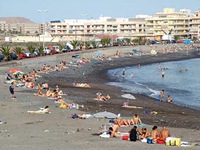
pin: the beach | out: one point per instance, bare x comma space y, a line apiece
57, 130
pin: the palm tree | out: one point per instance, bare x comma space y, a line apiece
128, 41
41, 50
94, 44
75, 44
31, 49
105, 41
87, 45
18, 51
6, 52
176, 37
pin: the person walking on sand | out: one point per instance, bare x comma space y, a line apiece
11, 89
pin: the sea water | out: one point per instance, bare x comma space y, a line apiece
181, 80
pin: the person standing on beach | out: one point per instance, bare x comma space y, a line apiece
163, 73
11, 89
162, 95
123, 73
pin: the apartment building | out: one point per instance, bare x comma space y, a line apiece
169, 22
88, 29
195, 24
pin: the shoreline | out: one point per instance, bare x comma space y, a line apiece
38, 130
171, 115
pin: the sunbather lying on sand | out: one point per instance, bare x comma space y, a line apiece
128, 106
44, 110
71, 106
84, 85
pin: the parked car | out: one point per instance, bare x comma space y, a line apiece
56, 48
53, 50
27, 53
36, 53
22, 55
13, 56
1, 56
47, 51
66, 49
154, 42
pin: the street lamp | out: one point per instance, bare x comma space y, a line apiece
43, 24
84, 16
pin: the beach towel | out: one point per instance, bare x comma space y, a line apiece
142, 125
105, 135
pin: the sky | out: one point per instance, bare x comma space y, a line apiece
72, 9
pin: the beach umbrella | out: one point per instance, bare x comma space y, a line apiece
18, 73
13, 70
105, 115
128, 96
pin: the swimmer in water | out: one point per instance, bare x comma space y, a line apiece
163, 73
132, 74
123, 73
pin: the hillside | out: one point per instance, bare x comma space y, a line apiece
15, 20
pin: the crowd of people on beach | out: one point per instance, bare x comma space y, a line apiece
29, 80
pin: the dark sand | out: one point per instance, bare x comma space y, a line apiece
170, 115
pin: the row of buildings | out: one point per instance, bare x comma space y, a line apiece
183, 23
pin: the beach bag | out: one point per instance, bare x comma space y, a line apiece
149, 141
125, 137
161, 141
173, 141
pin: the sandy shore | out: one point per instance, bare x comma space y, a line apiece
58, 131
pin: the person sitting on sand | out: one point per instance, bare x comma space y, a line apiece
45, 85
39, 91
136, 120
143, 134
113, 132
133, 133
103, 98
169, 99
164, 133
54, 94
44, 110
155, 133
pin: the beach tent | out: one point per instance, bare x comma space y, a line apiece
105, 115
